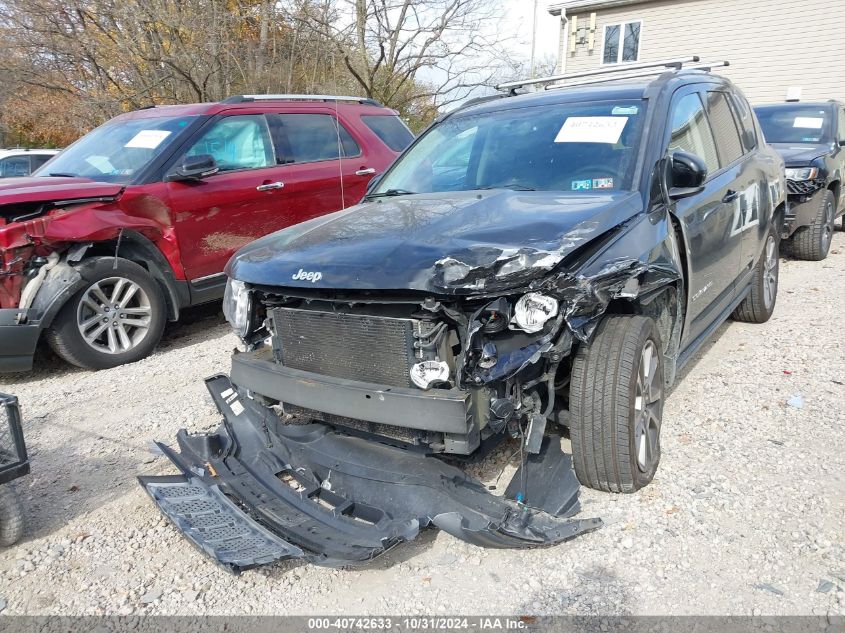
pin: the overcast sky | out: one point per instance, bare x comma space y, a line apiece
520, 13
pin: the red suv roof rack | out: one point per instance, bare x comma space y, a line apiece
295, 97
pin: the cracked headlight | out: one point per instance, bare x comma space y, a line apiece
533, 310
237, 306
802, 173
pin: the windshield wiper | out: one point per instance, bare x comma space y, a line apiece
391, 193
513, 186
59, 174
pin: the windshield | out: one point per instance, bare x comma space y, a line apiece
560, 147
794, 124
117, 151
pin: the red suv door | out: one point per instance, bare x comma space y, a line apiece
252, 194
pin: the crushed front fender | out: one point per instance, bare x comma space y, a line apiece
259, 490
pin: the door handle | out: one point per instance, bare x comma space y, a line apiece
367, 171
730, 196
270, 186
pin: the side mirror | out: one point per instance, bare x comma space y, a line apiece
842, 143
195, 168
687, 173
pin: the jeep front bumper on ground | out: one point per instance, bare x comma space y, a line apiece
259, 490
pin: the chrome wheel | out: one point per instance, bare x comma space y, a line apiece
647, 409
770, 273
114, 315
827, 229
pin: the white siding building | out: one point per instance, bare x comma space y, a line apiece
773, 46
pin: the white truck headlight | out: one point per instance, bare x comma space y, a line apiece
802, 173
237, 306
533, 310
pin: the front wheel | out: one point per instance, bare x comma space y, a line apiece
117, 318
812, 242
11, 517
616, 405
759, 305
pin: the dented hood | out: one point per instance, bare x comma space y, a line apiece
53, 189
447, 243
798, 154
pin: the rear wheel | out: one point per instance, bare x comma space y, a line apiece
759, 305
616, 405
812, 242
11, 517
118, 318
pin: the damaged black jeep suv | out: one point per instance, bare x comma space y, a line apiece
531, 262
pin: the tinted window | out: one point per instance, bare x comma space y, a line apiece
118, 151
237, 142
39, 159
722, 120
794, 123
14, 166
561, 147
745, 119
691, 131
305, 138
390, 130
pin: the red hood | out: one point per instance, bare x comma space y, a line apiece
50, 189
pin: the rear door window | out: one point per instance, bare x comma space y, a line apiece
728, 141
691, 131
745, 119
307, 138
14, 166
390, 130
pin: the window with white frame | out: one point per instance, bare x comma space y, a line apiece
621, 42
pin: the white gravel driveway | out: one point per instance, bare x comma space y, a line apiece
745, 516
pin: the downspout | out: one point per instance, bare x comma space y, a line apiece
564, 46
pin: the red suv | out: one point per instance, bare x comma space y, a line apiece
137, 219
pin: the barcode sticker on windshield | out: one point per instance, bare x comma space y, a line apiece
809, 123
148, 139
592, 129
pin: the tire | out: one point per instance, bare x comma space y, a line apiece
760, 303
114, 335
11, 517
615, 447
812, 243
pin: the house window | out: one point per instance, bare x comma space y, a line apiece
621, 42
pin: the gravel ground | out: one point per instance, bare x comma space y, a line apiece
745, 515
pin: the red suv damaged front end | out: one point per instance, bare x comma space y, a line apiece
136, 220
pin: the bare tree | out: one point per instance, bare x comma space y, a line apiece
405, 51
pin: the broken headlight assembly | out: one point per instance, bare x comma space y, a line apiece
802, 173
533, 310
237, 306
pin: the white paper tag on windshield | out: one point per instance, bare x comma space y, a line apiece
148, 139
592, 129
809, 123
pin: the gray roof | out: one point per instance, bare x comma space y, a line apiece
582, 5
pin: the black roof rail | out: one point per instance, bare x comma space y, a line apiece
586, 82
676, 64
300, 97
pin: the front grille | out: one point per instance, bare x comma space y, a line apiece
408, 436
353, 346
803, 187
